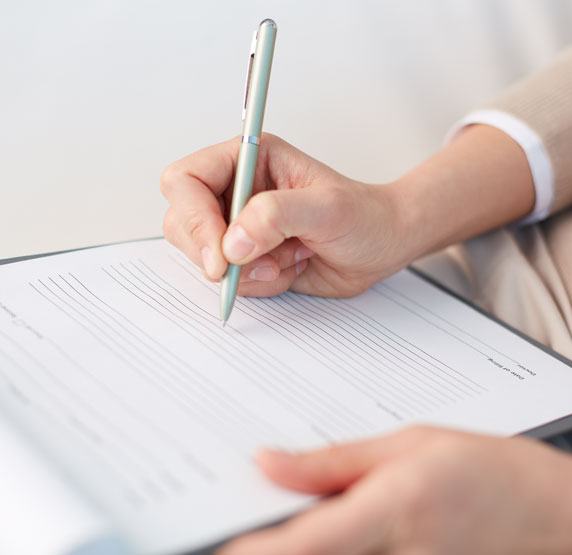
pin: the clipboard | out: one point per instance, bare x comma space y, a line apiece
557, 432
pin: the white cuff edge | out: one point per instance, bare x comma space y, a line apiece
536, 155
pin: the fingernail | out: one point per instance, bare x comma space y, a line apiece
236, 243
301, 266
208, 260
263, 273
303, 253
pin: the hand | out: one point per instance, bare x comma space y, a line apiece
306, 227
423, 491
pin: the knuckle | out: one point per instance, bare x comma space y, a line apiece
177, 228
418, 499
268, 210
170, 223
269, 138
195, 227
336, 202
171, 174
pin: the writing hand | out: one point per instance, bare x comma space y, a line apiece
306, 228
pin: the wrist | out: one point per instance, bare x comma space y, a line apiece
479, 182
415, 228
400, 216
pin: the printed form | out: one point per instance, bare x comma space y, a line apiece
113, 363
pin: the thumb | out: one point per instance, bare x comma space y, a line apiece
327, 470
268, 219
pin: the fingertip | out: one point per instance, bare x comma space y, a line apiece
214, 265
301, 266
271, 457
277, 465
258, 288
208, 261
212, 280
302, 253
264, 268
220, 268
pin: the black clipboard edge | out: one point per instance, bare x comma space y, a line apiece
545, 431
53, 253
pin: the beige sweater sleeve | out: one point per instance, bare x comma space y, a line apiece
544, 102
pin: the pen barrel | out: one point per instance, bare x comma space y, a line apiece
244, 178
256, 92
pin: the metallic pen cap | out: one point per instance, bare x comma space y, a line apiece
258, 77
270, 22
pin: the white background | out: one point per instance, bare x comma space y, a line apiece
98, 97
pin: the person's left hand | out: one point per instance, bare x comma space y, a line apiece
423, 491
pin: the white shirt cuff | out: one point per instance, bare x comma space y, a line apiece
531, 144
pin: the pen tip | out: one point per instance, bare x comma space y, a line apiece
223, 323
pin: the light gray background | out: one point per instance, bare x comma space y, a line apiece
98, 97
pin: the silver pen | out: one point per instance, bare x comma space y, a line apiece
255, 92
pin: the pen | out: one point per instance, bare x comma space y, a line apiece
255, 90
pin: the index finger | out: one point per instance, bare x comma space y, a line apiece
212, 167
195, 222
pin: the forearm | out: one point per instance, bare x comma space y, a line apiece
479, 182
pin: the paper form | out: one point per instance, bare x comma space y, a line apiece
40, 513
115, 362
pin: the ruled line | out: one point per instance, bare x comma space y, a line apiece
287, 377
395, 291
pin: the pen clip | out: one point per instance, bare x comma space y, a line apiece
248, 72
